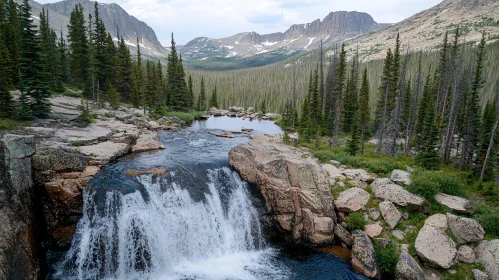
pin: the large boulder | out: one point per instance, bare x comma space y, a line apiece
333, 172
352, 200
456, 204
465, 230
435, 247
359, 177
18, 245
104, 152
487, 253
390, 213
401, 177
364, 256
373, 230
295, 188
408, 268
400, 196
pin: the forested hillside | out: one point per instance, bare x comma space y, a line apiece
274, 83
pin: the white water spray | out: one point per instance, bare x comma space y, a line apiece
171, 236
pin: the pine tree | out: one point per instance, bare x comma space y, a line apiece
78, 46
315, 105
422, 111
338, 90
125, 71
31, 65
364, 110
202, 97
354, 141
305, 123
428, 156
214, 99
383, 108
191, 92
492, 142
140, 96
472, 122
25, 112
6, 101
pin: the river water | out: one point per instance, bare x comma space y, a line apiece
199, 221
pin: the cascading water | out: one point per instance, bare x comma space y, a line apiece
168, 235
201, 222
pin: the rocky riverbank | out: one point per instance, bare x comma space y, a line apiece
67, 155
298, 193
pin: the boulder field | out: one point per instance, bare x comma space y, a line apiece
298, 194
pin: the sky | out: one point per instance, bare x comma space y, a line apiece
189, 19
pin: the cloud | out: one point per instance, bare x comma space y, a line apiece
189, 19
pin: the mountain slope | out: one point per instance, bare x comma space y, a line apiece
425, 30
335, 27
115, 18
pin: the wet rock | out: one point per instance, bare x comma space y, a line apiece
438, 220
487, 253
364, 256
456, 204
139, 122
479, 275
400, 196
161, 171
401, 177
294, 186
465, 254
408, 268
465, 230
390, 214
435, 247
373, 230
352, 200
147, 141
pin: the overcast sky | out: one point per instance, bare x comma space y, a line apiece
189, 19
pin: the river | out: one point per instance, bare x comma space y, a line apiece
199, 221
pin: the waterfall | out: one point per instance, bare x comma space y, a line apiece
166, 234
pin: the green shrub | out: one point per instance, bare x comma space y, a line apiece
382, 165
356, 221
424, 185
77, 143
187, 117
386, 258
324, 155
488, 219
428, 184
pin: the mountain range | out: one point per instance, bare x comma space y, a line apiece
422, 31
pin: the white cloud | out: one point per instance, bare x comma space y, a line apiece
188, 19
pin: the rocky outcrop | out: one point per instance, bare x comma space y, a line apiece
487, 253
456, 204
390, 214
407, 268
401, 177
343, 235
358, 177
352, 200
364, 256
465, 230
435, 247
18, 246
295, 188
399, 196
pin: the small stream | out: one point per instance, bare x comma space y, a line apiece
199, 221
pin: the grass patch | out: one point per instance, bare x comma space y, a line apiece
8, 124
463, 271
187, 117
429, 183
356, 221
